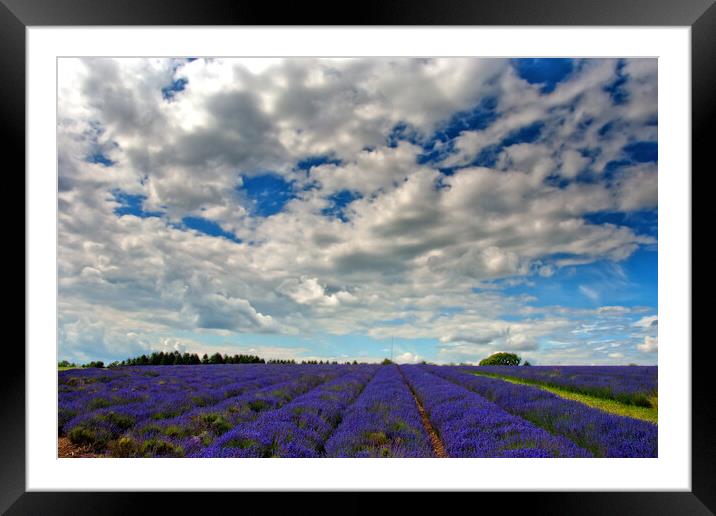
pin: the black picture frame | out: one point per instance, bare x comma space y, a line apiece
700, 15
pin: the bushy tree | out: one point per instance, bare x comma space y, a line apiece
216, 358
386, 361
509, 359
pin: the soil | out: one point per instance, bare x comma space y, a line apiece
437, 443
66, 449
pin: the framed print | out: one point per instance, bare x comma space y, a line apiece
422, 250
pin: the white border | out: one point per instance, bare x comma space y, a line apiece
671, 471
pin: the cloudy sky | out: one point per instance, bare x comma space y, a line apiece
316, 208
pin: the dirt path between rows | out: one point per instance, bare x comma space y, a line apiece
438, 446
66, 449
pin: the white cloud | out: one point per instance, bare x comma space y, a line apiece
520, 342
650, 344
572, 163
650, 321
613, 309
476, 336
638, 188
307, 291
589, 292
407, 358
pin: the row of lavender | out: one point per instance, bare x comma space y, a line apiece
603, 434
383, 422
632, 384
471, 426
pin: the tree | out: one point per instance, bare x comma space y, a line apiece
386, 361
501, 359
526, 363
216, 358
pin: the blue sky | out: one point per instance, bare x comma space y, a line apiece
324, 208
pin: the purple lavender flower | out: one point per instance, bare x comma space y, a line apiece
603, 434
299, 428
471, 426
383, 422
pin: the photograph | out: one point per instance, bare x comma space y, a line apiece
357, 257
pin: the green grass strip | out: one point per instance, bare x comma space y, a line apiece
650, 414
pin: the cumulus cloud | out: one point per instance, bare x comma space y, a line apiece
223, 312
520, 342
407, 358
426, 228
307, 291
650, 344
650, 321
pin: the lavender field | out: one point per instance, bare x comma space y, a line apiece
331, 410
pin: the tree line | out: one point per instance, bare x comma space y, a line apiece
176, 358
